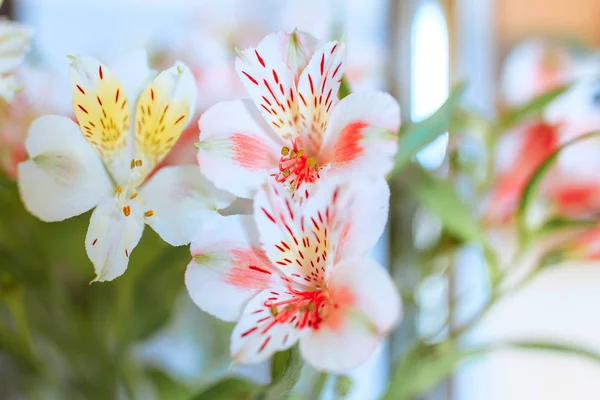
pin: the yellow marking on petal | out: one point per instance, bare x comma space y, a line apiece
162, 112
97, 102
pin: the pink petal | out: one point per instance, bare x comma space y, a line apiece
228, 268
368, 308
362, 134
271, 85
318, 91
237, 151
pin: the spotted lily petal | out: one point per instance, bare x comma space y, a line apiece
162, 112
362, 134
368, 308
228, 268
237, 151
110, 239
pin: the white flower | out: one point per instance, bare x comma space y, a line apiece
131, 118
294, 126
303, 276
15, 39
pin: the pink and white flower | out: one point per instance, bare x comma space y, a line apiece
129, 118
297, 272
294, 127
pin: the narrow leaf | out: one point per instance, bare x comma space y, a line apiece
441, 198
413, 137
230, 389
533, 108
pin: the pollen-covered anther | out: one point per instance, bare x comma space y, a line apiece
133, 196
118, 190
127, 211
149, 213
274, 311
296, 168
138, 163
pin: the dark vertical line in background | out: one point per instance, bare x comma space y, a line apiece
7, 9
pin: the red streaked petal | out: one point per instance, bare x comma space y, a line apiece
237, 151
228, 267
361, 134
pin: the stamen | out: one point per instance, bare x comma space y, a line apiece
149, 213
286, 172
295, 168
285, 151
118, 190
132, 164
138, 163
274, 311
133, 196
127, 211
310, 161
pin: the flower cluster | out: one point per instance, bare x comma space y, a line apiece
314, 167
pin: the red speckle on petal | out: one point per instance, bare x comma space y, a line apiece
268, 215
80, 89
126, 253
250, 77
94, 242
322, 63
259, 58
262, 347
100, 72
249, 331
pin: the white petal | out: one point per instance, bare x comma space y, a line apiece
368, 308
182, 202
318, 88
110, 239
359, 212
362, 134
271, 85
15, 41
259, 333
64, 176
228, 268
237, 151
295, 241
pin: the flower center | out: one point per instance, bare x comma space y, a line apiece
295, 168
128, 195
304, 309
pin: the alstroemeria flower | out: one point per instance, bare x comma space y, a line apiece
129, 119
294, 127
15, 39
298, 272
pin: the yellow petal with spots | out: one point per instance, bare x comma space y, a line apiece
101, 107
163, 110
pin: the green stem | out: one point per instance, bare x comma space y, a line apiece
320, 383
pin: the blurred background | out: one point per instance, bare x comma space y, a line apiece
141, 337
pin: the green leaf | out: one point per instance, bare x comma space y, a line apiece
287, 367
441, 198
561, 348
230, 389
423, 367
345, 88
532, 109
532, 187
286, 378
413, 137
